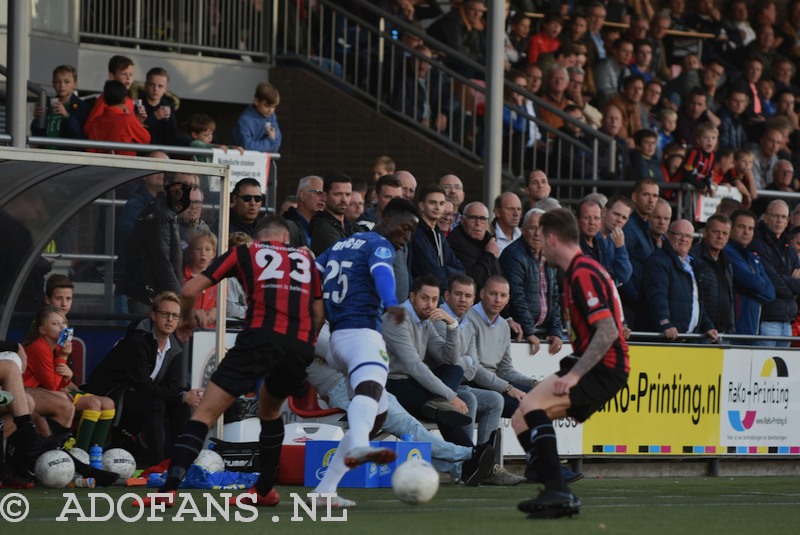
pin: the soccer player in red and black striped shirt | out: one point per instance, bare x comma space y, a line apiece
284, 315
587, 379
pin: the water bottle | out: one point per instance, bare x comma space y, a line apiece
96, 456
407, 437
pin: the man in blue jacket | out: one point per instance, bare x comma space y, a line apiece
609, 252
430, 251
751, 285
670, 289
640, 246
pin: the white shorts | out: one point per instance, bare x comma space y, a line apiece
13, 357
359, 351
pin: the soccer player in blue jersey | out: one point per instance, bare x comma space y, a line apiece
358, 284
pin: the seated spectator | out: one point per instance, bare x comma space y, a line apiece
425, 95
670, 287
573, 160
161, 120
547, 40
116, 123
246, 202
430, 252
201, 251
766, 156
310, 200
575, 93
474, 246
534, 293
593, 37
257, 128
454, 191
782, 180
445, 222
386, 188
143, 371
708, 79
738, 20
201, 129
697, 168
771, 244
120, 68
651, 104
642, 60
329, 225
383, 165
731, 116
629, 101
613, 125
191, 219
714, 273
765, 46
609, 72
658, 31
766, 90
48, 374
784, 107
236, 308
694, 113
515, 126
667, 122
462, 29
555, 94
517, 41
409, 183
751, 284
356, 206
783, 71
537, 187
643, 160
66, 114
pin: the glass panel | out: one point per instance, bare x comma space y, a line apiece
52, 16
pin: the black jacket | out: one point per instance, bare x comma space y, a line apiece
297, 232
131, 361
715, 285
479, 263
155, 260
326, 230
780, 260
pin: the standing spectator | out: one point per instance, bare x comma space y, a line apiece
697, 168
201, 129
670, 287
517, 41
659, 222
537, 187
507, 212
714, 273
534, 294
515, 125
155, 258
330, 225
386, 188
651, 104
120, 69
446, 221
642, 60
612, 239
555, 94
454, 191
594, 38
771, 244
201, 251
708, 78
575, 92
257, 128
65, 114
629, 101
638, 243
766, 156
547, 40
764, 47
191, 219
356, 206
421, 97
783, 181
246, 202
694, 113
658, 30
409, 184
474, 246
430, 251
236, 307
609, 73
310, 200
644, 163
613, 125
751, 74
731, 129
161, 120
752, 287
383, 165
462, 29
116, 123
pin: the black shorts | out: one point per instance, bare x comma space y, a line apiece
281, 361
593, 390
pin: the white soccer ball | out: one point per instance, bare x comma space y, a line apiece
80, 454
210, 460
415, 482
54, 469
120, 462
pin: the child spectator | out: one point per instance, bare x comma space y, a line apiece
117, 123
383, 165
58, 292
201, 128
48, 369
120, 68
643, 160
741, 176
667, 122
722, 164
546, 40
698, 166
66, 113
160, 109
766, 90
202, 250
517, 41
257, 128
237, 300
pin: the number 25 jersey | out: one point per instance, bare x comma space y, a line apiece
349, 268
280, 283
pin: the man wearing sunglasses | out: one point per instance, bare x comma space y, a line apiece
246, 202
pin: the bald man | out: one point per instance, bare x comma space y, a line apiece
508, 212
409, 184
670, 289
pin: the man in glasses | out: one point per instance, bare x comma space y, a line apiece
246, 202
143, 373
669, 287
474, 245
310, 200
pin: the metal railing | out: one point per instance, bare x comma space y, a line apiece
232, 28
363, 53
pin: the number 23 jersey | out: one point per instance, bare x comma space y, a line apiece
349, 287
280, 283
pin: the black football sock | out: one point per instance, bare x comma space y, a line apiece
543, 453
187, 448
269, 454
525, 440
27, 430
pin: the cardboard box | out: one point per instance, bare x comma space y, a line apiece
293, 451
406, 450
319, 454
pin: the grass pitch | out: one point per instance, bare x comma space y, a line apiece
664, 505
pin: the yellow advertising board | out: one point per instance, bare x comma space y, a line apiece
670, 406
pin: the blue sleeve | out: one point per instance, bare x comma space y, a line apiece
622, 264
385, 284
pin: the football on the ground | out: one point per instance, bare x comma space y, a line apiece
415, 482
54, 469
80, 454
210, 460
120, 462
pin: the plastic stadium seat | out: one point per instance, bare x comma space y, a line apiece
307, 406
